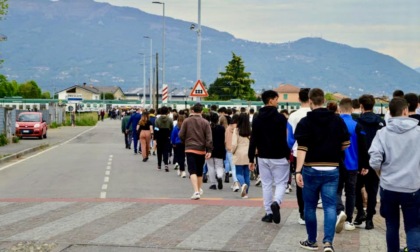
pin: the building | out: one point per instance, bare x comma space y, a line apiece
288, 93
90, 92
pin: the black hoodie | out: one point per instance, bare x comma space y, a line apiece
322, 134
269, 135
370, 123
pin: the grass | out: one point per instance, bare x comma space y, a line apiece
83, 119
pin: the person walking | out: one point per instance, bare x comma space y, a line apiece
395, 156
367, 178
162, 135
145, 129
215, 163
321, 136
132, 124
240, 146
179, 146
229, 156
196, 134
127, 132
293, 120
269, 137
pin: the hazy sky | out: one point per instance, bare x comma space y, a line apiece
390, 27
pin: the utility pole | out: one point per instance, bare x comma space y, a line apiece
157, 82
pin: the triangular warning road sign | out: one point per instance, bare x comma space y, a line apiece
199, 90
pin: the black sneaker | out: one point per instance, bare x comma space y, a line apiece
154, 153
359, 219
219, 183
276, 212
227, 177
267, 218
369, 224
159, 168
212, 187
309, 245
166, 168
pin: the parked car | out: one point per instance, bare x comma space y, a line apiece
31, 124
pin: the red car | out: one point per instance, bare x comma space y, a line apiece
31, 124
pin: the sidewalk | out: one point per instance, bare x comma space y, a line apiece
26, 146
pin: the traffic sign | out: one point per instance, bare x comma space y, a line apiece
199, 90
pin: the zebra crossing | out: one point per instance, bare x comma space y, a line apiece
167, 226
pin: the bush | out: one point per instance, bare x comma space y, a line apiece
3, 140
15, 139
54, 125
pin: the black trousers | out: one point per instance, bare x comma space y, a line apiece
163, 151
371, 183
179, 155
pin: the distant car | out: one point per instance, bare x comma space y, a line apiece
31, 124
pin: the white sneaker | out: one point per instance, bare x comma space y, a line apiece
235, 186
178, 172
301, 221
195, 196
243, 190
258, 182
349, 226
201, 191
339, 225
183, 174
245, 197
176, 166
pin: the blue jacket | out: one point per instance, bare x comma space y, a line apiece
134, 120
174, 136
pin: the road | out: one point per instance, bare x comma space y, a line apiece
92, 194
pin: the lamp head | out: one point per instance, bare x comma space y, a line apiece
192, 27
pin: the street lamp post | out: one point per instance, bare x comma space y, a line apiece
150, 72
144, 79
198, 30
163, 41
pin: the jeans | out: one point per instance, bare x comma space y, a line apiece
128, 137
242, 172
371, 183
273, 171
347, 182
390, 210
325, 183
229, 163
135, 140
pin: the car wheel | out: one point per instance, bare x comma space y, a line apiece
40, 136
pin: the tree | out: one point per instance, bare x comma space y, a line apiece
3, 8
108, 96
29, 90
235, 83
46, 95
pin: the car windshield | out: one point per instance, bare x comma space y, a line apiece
28, 118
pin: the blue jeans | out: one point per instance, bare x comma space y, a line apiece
390, 210
242, 173
324, 183
230, 165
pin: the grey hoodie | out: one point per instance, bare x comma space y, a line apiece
395, 152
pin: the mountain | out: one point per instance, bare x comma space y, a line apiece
59, 43
417, 69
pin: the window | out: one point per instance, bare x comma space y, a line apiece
285, 96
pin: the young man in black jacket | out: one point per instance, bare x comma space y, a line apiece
269, 139
322, 136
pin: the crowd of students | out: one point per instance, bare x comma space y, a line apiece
329, 149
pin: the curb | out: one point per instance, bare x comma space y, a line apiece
24, 152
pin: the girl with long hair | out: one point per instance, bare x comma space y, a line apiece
145, 129
240, 145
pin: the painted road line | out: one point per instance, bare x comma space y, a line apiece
68, 223
232, 220
107, 173
29, 212
134, 231
104, 186
103, 195
106, 179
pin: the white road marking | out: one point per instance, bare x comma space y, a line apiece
106, 179
107, 173
103, 195
104, 186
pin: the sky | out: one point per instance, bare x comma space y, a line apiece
390, 27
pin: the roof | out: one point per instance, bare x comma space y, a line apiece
339, 96
287, 88
95, 90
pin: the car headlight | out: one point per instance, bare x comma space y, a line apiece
36, 125
17, 125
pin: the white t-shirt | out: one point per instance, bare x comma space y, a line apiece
294, 119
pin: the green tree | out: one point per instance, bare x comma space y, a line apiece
3, 8
330, 97
29, 90
235, 83
46, 95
